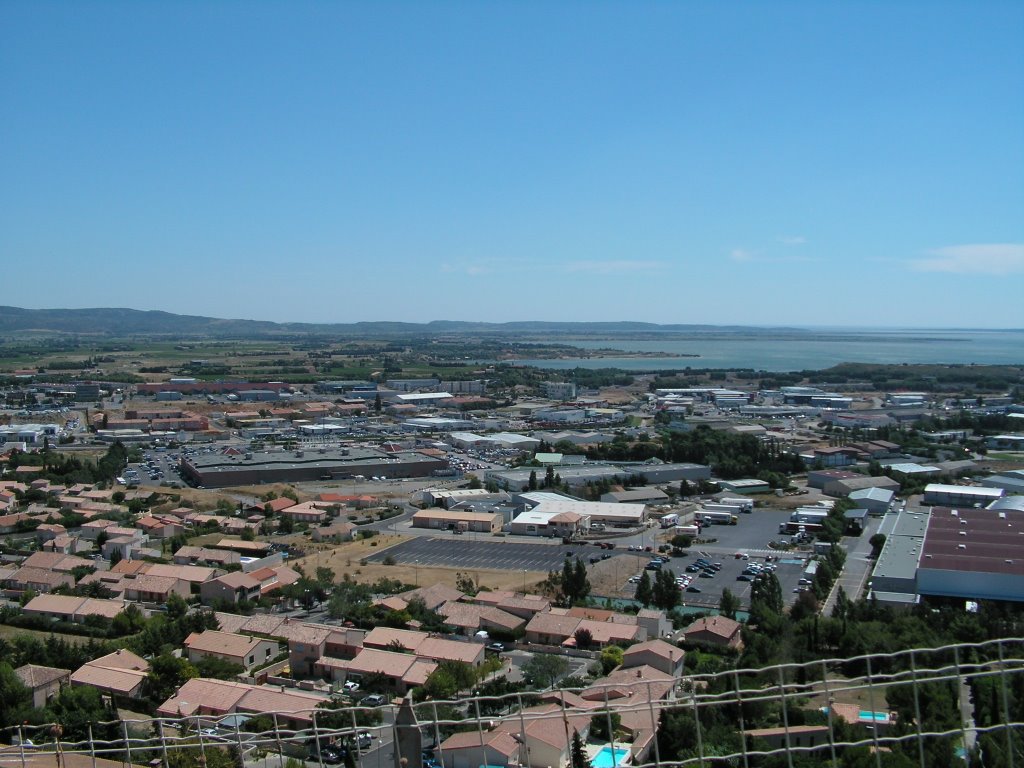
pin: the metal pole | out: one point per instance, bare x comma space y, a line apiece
743, 726
874, 723
917, 709
828, 712
163, 742
280, 746
785, 716
316, 740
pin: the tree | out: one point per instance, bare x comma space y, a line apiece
578, 755
877, 542
574, 584
729, 604
665, 592
584, 639
644, 594
285, 524
544, 669
599, 725
15, 698
166, 674
377, 404
611, 657
532, 485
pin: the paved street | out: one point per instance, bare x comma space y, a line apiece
858, 564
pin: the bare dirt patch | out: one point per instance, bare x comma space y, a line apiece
347, 559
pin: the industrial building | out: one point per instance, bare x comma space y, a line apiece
577, 475
846, 486
975, 554
875, 500
458, 520
972, 554
602, 512
937, 494
225, 469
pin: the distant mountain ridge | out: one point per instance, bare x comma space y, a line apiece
135, 322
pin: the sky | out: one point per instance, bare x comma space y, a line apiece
764, 163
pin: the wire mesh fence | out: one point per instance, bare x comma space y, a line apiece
943, 706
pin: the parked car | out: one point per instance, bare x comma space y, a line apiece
373, 700
693, 589
350, 687
496, 647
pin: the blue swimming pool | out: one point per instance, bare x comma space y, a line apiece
605, 758
877, 716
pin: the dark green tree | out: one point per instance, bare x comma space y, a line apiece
729, 604
578, 755
644, 594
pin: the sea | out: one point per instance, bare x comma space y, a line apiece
810, 349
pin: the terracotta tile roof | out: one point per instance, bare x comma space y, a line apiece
551, 623
434, 595
500, 742
369, 660
70, 605
123, 681
385, 637
657, 647
201, 693
230, 622
221, 643
122, 659
716, 625
35, 676
439, 649
279, 504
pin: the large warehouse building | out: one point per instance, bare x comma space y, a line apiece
975, 554
580, 474
220, 470
972, 554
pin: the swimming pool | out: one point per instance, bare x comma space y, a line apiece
880, 717
604, 758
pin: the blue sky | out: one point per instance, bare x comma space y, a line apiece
801, 163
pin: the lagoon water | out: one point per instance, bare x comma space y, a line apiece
811, 350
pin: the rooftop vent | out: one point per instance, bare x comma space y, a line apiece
954, 513
961, 546
963, 533
1002, 515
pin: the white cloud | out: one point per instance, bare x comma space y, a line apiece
741, 254
466, 269
793, 240
613, 267
979, 259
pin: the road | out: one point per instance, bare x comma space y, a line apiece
857, 568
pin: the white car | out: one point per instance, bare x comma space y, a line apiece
350, 686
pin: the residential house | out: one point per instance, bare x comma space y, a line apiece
551, 628
657, 654
335, 532
715, 630
40, 580
246, 652
309, 512
43, 682
71, 608
161, 527
146, 588
230, 588
202, 696
121, 674
400, 671
202, 555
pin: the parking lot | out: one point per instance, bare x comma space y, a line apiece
750, 536
469, 552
